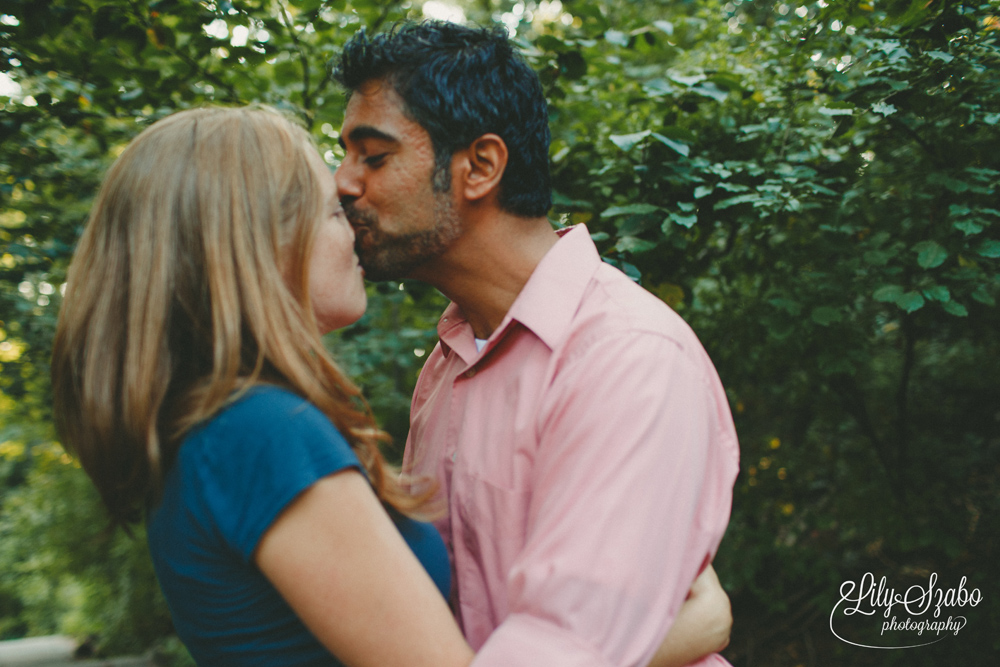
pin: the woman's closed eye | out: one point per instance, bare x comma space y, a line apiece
375, 160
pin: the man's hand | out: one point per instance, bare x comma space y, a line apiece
702, 625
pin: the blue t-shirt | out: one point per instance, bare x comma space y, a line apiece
232, 478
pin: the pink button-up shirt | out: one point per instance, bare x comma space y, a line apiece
587, 455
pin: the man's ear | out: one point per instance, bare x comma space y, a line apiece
481, 166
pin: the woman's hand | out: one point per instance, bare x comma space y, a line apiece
338, 560
702, 625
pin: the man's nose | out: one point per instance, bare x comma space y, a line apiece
348, 181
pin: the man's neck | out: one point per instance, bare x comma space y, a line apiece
485, 269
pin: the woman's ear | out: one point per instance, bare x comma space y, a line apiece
481, 166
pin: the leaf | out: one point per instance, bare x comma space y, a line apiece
822, 190
720, 170
968, 227
956, 309
953, 184
888, 293
669, 293
627, 142
989, 248
629, 209
572, 64
938, 293
910, 301
983, 172
634, 245
703, 191
678, 146
633, 225
687, 80
981, 295
659, 88
550, 43
941, 55
711, 90
877, 257
617, 37
727, 81
883, 109
665, 26
787, 305
561, 200
930, 254
826, 315
631, 271
831, 363
836, 111
991, 118
597, 237
739, 199
286, 72
686, 221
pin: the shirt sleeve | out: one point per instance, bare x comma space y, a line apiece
260, 454
632, 492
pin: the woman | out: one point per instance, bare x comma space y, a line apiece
190, 378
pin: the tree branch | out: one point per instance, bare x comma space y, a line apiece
853, 401
902, 403
307, 111
383, 15
234, 97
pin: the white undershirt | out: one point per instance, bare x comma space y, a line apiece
480, 344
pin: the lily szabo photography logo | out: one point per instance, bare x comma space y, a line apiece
871, 614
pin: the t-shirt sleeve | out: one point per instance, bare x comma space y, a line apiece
257, 456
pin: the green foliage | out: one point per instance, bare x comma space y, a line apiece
385, 350
91, 76
812, 186
82, 580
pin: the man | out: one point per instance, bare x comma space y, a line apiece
577, 428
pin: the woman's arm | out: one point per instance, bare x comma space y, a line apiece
702, 625
341, 564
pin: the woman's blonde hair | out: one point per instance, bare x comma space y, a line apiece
189, 285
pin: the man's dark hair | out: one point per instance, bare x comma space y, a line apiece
459, 83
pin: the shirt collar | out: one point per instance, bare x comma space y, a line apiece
546, 303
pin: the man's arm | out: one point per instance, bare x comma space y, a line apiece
632, 490
702, 625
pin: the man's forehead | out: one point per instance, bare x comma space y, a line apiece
372, 97
376, 111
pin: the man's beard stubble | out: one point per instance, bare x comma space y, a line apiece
386, 256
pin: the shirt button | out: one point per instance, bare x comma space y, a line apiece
470, 373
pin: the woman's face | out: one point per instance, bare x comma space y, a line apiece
336, 281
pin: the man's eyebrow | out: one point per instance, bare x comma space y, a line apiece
362, 132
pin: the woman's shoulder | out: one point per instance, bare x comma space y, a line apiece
235, 473
265, 420
267, 400
262, 409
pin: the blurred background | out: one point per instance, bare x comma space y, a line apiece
813, 186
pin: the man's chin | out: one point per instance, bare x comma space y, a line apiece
375, 273
378, 270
